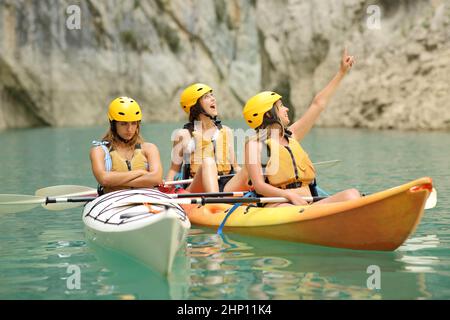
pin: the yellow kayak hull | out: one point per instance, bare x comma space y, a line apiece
381, 221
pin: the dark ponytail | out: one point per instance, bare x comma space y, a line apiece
196, 111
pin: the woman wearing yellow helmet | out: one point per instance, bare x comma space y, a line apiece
276, 163
204, 148
122, 160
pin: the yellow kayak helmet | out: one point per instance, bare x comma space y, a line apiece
257, 106
124, 109
191, 94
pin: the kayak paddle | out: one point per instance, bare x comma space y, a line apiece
65, 191
326, 164
138, 199
12, 203
74, 190
69, 196
432, 200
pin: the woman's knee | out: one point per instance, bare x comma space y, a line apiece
352, 194
208, 162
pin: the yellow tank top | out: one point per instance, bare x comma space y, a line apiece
218, 149
288, 164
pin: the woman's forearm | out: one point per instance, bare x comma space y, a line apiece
323, 97
174, 169
301, 127
268, 191
147, 180
117, 179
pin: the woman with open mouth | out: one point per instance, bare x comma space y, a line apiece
204, 149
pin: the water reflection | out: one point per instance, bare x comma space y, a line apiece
228, 267
239, 267
419, 243
233, 266
128, 279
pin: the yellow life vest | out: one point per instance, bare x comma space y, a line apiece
288, 164
119, 164
139, 161
218, 149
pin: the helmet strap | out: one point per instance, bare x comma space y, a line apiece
202, 111
214, 119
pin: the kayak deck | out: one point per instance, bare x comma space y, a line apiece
381, 221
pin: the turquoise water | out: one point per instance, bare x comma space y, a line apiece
38, 246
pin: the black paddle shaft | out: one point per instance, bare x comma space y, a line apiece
63, 200
204, 201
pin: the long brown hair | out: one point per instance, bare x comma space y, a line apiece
196, 111
270, 121
114, 139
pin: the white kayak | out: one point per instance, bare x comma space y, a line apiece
151, 234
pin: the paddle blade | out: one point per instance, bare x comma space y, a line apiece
62, 206
326, 164
66, 191
12, 203
432, 200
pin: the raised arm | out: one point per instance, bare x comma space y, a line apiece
301, 127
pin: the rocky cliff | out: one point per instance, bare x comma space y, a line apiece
62, 64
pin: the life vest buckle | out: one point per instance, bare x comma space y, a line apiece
293, 185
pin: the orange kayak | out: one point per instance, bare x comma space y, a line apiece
380, 221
